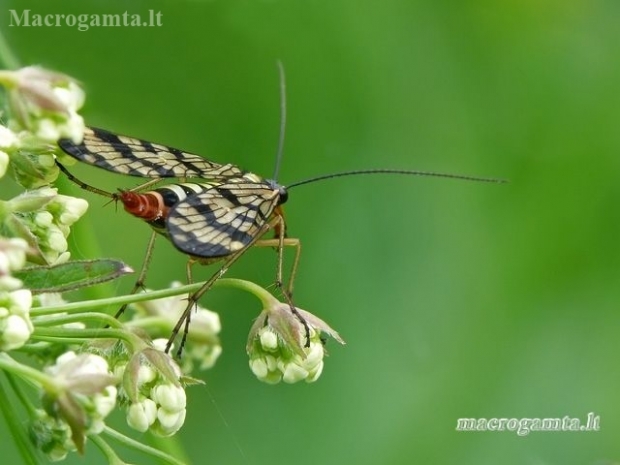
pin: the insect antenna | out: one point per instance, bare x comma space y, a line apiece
280, 151
395, 171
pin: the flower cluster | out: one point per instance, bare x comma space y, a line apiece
51, 435
45, 103
42, 108
83, 395
12, 258
44, 216
15, 324
88, 379
157, 399
273, 362
285, 345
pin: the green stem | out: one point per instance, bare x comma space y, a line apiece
7, 57
72, 335
77, 317
21, 395
16, 427
24, 371
263, 295
140, 446
266, 298
151, 322
106, 450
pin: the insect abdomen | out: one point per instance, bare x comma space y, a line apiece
153, 206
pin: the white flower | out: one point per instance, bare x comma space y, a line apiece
292, 373
72, 208
9, 283
44, 219
56, 240
72, 128
15, 324
169, 422
86, 379
72, 96
207, 355
163, 411
157, 399
8, 139
171, 402
146, 374
169, 397
47, 130
21, 302
12, 255
268, 339
160, 344
103, 403
106, 402
141, 415
15, 333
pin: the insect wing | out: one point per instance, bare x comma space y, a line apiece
136, 157
221, 220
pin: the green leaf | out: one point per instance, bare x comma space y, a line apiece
71, 275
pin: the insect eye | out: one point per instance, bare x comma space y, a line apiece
283, 195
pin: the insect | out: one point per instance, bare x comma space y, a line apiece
214, 219
219, 217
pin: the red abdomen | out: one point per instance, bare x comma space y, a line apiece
148, 206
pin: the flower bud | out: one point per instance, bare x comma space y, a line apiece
286, 345
15, 324
141, 415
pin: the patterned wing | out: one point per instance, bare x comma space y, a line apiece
221, 220
136, 157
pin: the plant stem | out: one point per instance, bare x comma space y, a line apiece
7, 57
71, 335
140, 446
259, 292
77, 317
21, 395
263, 295
24, 371
106, 450
16, 428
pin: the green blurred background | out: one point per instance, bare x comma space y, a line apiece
456, 299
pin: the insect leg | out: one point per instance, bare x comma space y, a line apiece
190, 280
83, 185
280, 243
208, 284
142, 276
